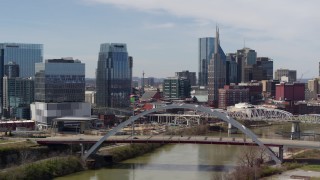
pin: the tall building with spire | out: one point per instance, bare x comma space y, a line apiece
216, 72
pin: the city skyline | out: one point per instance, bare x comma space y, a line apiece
167, 32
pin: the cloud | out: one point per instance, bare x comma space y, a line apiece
159, 26
287, 29
283, 18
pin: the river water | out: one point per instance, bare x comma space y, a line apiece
180, 161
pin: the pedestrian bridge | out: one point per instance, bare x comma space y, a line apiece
169, 139
280, 144
228, 117
225, 116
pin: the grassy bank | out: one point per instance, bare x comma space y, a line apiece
122, 153
44, 169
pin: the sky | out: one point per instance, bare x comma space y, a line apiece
162, 35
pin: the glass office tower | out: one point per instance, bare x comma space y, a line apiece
206, 50
25, 55
11, 70
60, 80
114, 74
17, 93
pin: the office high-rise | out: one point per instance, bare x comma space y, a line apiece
18, 93
267, 66
59, 91
206, 50
216, 72
11, 70
286, 75
60, 80
191, 76
176, 88
246, 59
231, 68
25, 55
114, 75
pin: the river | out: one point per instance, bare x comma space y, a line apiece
180, 161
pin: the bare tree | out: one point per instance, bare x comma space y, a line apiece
248, 166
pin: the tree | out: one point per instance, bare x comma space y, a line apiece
248, 166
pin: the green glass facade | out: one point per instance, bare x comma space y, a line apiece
176, 88
18, 93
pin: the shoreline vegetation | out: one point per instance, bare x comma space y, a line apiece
50, 168
44, 169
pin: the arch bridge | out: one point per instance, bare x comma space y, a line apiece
212, 112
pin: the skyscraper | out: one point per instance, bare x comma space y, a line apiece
17, 93
206, 50
25, 55
60, 80
191, 76
246, 58
216, 72
286, 75
114, 75
11, 70
59, 91
267, 66
231, 68
176, 88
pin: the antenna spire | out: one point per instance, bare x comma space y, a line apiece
217, 40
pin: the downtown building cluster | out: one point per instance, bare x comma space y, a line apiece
46, 90
225, 79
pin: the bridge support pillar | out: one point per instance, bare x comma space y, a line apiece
295, 130
81, 145
231, 129
281, 153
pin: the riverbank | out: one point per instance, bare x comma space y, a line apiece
44, 169
304, 165
60, 166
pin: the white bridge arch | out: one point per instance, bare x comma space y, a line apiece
203, 109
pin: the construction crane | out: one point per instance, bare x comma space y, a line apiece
302, 75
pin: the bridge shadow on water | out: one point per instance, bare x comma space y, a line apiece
173, 167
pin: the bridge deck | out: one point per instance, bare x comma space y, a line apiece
76, 139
